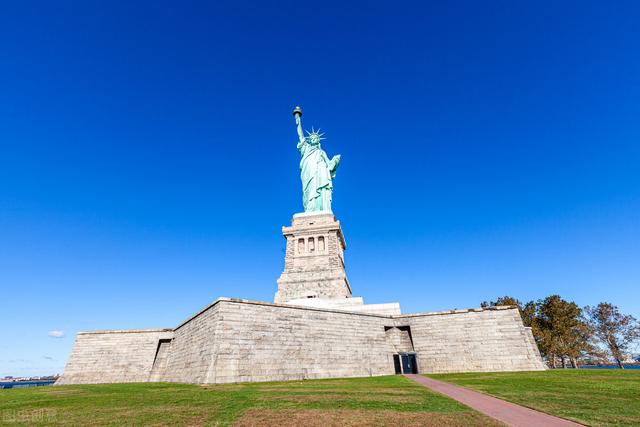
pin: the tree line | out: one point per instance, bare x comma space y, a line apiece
569, 335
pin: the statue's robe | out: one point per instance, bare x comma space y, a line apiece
317, 173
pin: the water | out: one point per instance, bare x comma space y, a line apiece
22, 384
609, 367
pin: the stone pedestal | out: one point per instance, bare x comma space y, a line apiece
314, 260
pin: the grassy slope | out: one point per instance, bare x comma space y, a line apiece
392, 400
596, 397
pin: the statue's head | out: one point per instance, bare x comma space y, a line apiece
314, 137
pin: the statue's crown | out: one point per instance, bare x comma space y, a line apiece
316, 133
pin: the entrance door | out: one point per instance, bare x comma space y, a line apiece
396, 363
409, 365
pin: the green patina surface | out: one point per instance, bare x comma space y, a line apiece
392, 400
597, 397
316, 169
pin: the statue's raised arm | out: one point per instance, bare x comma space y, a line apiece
297, 113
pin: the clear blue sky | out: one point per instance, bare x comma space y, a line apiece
148, 159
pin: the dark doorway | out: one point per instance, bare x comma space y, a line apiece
396, 363
409, 365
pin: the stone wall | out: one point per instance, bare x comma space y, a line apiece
400, 339
239, 340
193, 347
480, 340
113, 356
268, 342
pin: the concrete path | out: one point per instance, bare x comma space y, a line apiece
509, 413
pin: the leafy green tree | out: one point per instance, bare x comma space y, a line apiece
505, 300
615, 330
580, 344
529, 313
562, 330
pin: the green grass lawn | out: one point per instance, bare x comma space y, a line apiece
392, 400
597, 397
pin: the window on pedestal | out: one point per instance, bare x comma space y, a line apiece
321, 244
312, 244
300, 246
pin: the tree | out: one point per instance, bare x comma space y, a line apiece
529, 313
562, 332
580, 344
505, 300
615, 330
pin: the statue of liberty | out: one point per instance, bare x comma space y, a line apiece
316, 170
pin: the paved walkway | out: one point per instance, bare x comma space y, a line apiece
509, 413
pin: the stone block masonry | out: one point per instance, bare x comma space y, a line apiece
314, 259
237, 340
113, 356
473, 341
267, 342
